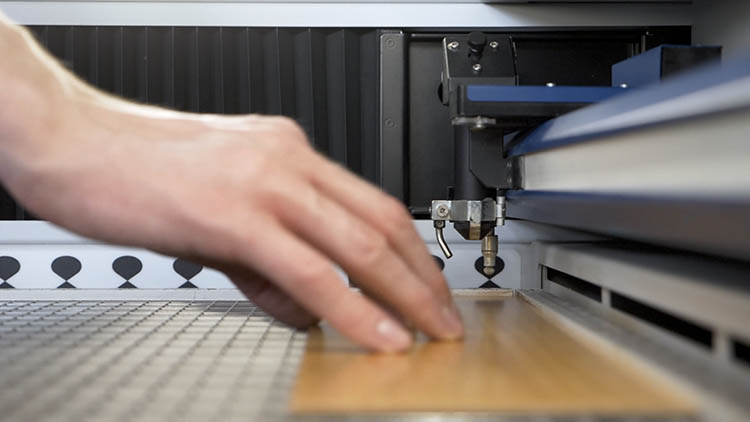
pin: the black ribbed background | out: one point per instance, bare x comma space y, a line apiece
326, 79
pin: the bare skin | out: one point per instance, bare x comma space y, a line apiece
246, 195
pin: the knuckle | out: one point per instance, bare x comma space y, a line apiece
370, 249
312, 273
275, 198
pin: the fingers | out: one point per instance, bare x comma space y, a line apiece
274, 301
386, 215
310, 279
365, 254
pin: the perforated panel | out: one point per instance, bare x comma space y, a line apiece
144, 361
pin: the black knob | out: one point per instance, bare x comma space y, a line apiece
477, 42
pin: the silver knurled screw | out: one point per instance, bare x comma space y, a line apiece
477, 67
493, 45
453, 45
442, 211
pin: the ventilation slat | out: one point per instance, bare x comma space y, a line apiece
285, 55
142, 82
93, 50
353, 83
106, 58
271, 72
338, 109
304, 85
129, 64
119, 64
217, 72
317, 80
369, 89
185, 70
233, 53
259, 82
695, 332
211, 90
169, 79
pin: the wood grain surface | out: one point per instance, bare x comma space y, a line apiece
513, 360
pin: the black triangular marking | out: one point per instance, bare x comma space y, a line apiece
188, 285
489, 284
9, 266
66, 285
127, 285
6, 285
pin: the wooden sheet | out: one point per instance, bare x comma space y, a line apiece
513, 359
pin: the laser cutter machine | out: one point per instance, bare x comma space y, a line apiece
592, 157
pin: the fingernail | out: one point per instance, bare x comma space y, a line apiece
454, 328
395, 337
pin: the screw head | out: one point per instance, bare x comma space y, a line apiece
442, 211
477, 67
494, 45
453, 45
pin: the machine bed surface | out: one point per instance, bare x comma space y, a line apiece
513, 359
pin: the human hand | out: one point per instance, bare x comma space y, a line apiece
246, 195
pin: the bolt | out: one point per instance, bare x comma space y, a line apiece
477, 67
453, 45
442, 211
550, 84
623, 85
493, 45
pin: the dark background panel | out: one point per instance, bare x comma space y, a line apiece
7, 206
572, 57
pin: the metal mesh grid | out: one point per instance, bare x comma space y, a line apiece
144, 360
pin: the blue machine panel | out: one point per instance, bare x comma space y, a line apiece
627, 112
540, 94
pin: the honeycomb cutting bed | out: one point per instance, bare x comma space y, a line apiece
143, 361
